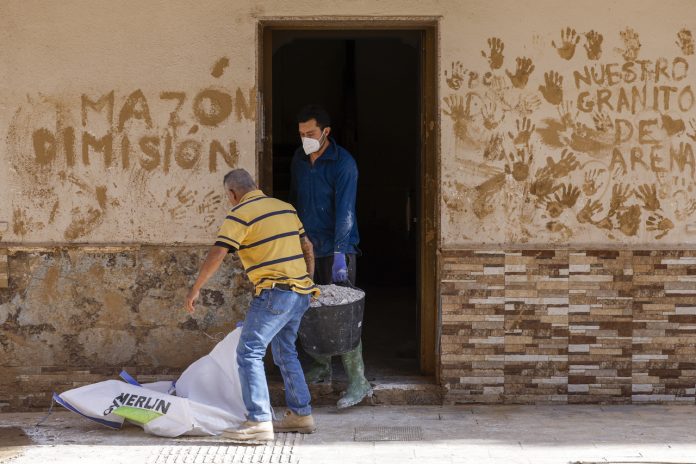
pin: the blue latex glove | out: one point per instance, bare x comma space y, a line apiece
339, 271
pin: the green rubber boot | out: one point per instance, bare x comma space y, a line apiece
358, 386
320, 370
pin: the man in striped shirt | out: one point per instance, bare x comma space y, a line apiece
278, 259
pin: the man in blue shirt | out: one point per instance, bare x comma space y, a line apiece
323, 189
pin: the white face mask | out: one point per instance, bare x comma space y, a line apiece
311, 145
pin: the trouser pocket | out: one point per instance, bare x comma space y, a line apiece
281, 301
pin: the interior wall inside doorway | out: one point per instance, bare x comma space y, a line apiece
370, 85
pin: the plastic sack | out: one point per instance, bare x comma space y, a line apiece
205, 400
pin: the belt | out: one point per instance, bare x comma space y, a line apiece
283, 286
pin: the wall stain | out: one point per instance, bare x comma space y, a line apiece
602, 122
559, 228
567, 132
459, 111
495, 53
685, 211
219, 66
569, 40
494, 150
629, 220
524, 69
592, 182
591, 208
685, 42
632, 45
553, 88
568, 197
672, 126
456, 77
525, 128
54, 210
648, 195
83, 222
484, 194
100, 193
209, 208
593, 46
519, 164
660, 224
489, 113
20, 223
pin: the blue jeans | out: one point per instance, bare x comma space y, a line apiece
273, 317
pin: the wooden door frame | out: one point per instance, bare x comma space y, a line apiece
429, 214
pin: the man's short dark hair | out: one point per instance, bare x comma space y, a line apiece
314, 112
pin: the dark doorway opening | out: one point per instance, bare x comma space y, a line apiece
370, 83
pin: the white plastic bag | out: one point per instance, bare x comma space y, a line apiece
208, 398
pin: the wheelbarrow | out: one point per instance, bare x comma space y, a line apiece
332, 330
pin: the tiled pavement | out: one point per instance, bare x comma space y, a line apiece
450, 434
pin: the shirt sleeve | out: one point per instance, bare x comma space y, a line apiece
231, 233
346, 191
300, 227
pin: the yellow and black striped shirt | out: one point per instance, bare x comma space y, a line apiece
266, 233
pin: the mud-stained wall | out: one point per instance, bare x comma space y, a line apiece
118, 122
75, 315
566, 124
576, 125
118, 118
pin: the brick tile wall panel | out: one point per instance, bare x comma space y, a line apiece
600, 327
664, 326
579, 326
536, 326
472, 341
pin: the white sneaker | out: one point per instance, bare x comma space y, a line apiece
251, 431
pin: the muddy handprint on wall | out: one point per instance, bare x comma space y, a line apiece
569, 40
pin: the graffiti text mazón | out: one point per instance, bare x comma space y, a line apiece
132, 138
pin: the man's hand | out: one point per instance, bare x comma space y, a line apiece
190, 298
210, 265
339, 271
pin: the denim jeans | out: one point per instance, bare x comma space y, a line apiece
273, 317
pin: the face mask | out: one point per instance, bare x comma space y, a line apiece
311, 145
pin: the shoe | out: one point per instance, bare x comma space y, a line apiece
358, 386
292, 422
251, 431
320, 371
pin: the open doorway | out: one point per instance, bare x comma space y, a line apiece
371, 83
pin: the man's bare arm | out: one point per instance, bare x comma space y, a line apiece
211, 264
308, 252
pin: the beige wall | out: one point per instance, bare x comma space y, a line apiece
59, 56
553, 179
158, 60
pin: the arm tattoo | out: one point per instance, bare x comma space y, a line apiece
308, 252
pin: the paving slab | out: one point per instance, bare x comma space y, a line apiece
476, 434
